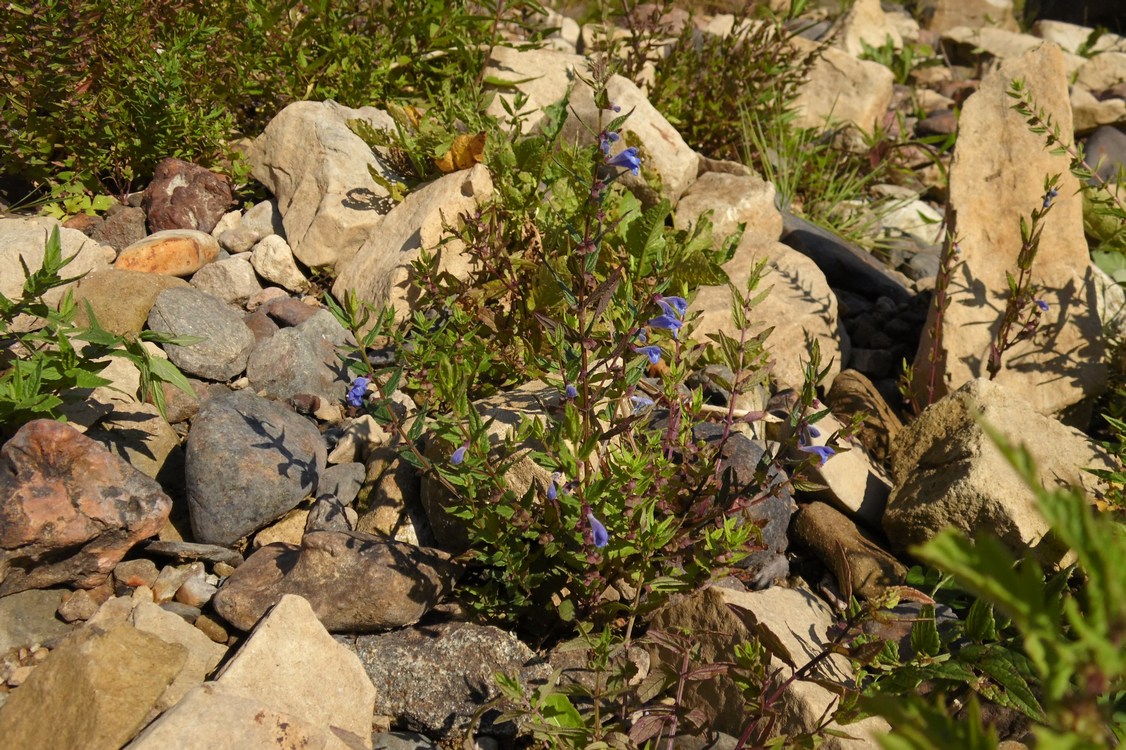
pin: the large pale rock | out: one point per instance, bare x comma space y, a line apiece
866, 23
948, 472
1071, 37
291, 664
792, 623
1090, 113
26, 237
733, 200
214, 717
991, 190
543, 75
121, 299
202, 654
381, 273
972, 46
941, 15
841, 88
1103, 71
355, 582
800, 306
94, 692
69, 510
317, 169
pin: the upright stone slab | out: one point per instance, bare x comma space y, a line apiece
998, 177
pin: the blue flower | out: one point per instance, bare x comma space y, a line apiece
552, 489
358, 390
570, 391
671, 322
604, 141
1042, 305
598, 532
1050, 196
675, 306
813, 431
640, 403
823, 452
653, 352
459, 455
627, 159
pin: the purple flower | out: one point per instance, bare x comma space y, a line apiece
1042, 305
670, 322
813, 431
653, 352
570, 391
823, 452
358, 390
1050, 196
459, 455
640, 403
627, 159
598, 532
552, 489
675, 306
604, 141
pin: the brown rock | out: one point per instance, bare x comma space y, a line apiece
121, 299
183, 195
853, 393
860, 565
174, 252
123, 226
64, 496
135, 573
355, 582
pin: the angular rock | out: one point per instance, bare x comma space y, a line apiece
212, 717
1071, 37
291, 664
255, 225
792, 624
866, 23
29, 617
543, 75
317, 170
947, 471
232, 280
851, 482
69, 510
853, 393
94, 692
860, 565
1106, 150
435, 679
1063, 363
202, 654
841, 88
183, 195
273, 260
974, 46
1102, 71
801, 307
141, 437
123, 226
172, 252
380, 272
249, 460
1089, 113
389, 500
733, 200
942, 15
121, 300
303, 359
226, 344
188, 552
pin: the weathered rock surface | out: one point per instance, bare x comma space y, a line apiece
29, 617
121, 299
249, 460
171, 252
940, 15
261, 221
273, 260
841, 88
185, 196
860, 565
231, 280
733, 200
355, 582
69, 510
302, 359
226, 344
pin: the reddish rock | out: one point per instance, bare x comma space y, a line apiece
183, 195
175, 252
69, 509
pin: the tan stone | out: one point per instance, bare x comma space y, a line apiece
841, 88
859, 564
866, 23
991, 190
940, 15
172, 252
733, 200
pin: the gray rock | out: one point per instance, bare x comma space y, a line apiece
402, 741
123, 226
342, 482
355, 582
1106, 147
232, 280
435, 678
29, 617
249, 460
259, 222
303, 359
227, 342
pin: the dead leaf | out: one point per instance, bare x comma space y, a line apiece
465, 151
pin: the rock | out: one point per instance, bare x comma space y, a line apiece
852, 393
916, 219
203, 654
28, 618
851, 482
355, 582
69, 510
380, 272
317, 170
213, 717
800, 306
329, 514
94, 692
942, 15
232, 280
121, 300
390, 498
280, 456
947, 471
288, 529
79, 606
123, 226
135, 573
866, 22
187, 552
1089, 113
185, 196
287, 311
543, 75
141, 437
792, 624
1072, 38
26, 237
342, 482
434, 679
273, 260
196, 590
291, 664
1102, 71
227, 221
226, 344
860, 565
733, 200
841, 88
172, 252
261, 221
359, 439
1062, 365
304, 359
403, 740
168, 581
1106, 149
972, 46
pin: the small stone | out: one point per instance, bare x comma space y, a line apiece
78, 606
175, 252
273, 260
185, 612
223, 570
195, 591
169, 580
212, 629
19, 675
123, 226
232, 280
134, 573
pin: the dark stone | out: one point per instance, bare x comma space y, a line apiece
123, 226
287, 311
183, 195
939, 122
226, 344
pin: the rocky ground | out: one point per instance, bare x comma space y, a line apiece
261, 570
